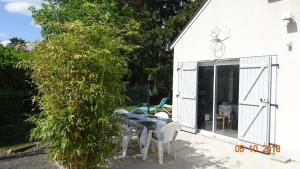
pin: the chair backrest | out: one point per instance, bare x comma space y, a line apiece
120, 111
170, 131
162, 115
163, 102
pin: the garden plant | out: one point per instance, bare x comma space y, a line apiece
78, 70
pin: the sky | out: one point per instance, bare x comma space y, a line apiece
16, 20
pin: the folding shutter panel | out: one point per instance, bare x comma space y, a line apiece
254, 100
187, 96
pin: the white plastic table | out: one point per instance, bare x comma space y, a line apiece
139, 121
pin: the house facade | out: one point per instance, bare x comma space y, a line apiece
236, 73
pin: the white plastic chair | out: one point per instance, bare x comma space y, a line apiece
162, 115
169, 133
120, 111
127, 134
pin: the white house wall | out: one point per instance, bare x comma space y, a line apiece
257, 29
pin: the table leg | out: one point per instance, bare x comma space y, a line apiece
223, 123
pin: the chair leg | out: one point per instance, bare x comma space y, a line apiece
153, 147
160, 152
174, 150
168, 147
125, 140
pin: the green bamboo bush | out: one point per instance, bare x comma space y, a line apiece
79, 74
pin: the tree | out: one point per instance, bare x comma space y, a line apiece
161, 22
11, 77
78, 69
152, 63
17, 44
173, 26
88, 12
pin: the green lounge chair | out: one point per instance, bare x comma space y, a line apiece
152, 108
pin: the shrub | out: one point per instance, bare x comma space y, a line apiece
79, 76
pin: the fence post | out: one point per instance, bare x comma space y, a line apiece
148, 98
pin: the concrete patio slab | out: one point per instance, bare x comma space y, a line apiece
199, 152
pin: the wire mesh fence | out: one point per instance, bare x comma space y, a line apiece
137, 95
15, 106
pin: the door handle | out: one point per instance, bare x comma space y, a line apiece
264, 100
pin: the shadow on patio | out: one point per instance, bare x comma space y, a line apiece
190, 155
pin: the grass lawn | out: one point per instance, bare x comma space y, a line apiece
129, 108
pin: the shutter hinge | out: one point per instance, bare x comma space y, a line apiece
275, 105
277, 65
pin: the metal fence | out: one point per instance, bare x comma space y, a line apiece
15, 106
137, 95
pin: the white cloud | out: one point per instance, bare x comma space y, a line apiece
20, 6
4, 42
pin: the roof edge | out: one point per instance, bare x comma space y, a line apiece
188, 25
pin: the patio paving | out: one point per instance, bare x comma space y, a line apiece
199, 152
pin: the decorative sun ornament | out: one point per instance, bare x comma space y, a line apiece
218, 36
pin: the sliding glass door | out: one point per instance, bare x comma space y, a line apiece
205, 97
227, 94
218, 91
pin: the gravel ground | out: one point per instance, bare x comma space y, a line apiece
33, 158
39, 161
